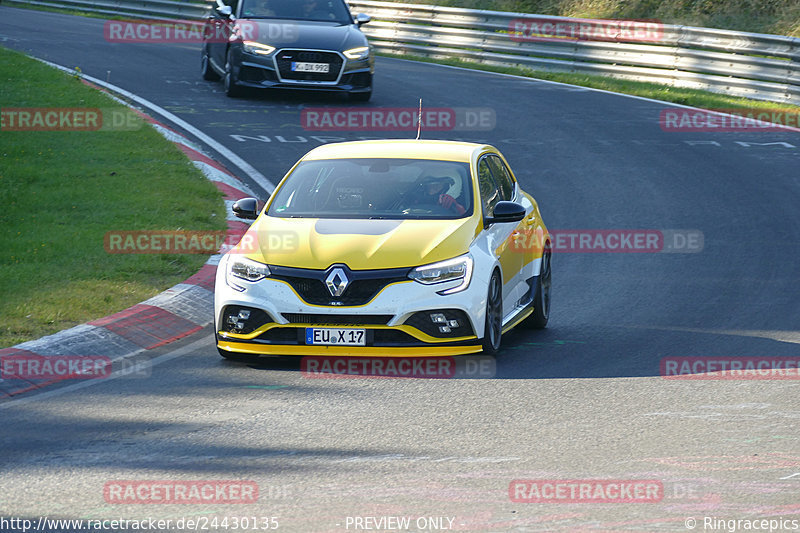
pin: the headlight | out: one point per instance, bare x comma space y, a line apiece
252, 47
452, 269
241, 268
357, 53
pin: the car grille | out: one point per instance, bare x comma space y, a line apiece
281, 336
364, 284
392, 337
337, 320
285, 58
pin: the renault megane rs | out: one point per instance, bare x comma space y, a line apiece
386, 248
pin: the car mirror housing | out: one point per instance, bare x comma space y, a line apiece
506, 212
246, 208
225, 11
362, 19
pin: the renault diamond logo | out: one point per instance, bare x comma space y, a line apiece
337, 282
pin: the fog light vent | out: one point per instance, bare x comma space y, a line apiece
236, 319
442, 323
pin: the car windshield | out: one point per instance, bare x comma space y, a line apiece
375, 188
316, 10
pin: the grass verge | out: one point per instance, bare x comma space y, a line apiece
61, 191
780, 17
690, 97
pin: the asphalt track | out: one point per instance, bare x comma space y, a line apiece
582, 400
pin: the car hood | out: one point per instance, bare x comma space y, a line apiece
360, 244
309, 35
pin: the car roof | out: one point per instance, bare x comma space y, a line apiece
400, 149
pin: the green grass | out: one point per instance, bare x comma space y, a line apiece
61, 192
780, 17
690, 97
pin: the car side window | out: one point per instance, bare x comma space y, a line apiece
502, 176
488, 189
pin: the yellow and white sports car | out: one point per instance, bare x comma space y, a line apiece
386, 248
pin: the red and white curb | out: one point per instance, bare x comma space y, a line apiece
175, 313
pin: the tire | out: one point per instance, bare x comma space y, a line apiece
493, 329
208, 73
360, 97
541, 300
232, 90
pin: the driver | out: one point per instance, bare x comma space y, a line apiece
434, 192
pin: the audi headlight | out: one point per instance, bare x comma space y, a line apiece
361, 52
252, 47
450, 270
241, 268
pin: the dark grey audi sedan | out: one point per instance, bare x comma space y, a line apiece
288, 44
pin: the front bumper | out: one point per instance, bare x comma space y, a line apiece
263, 72
397, 320
348, 351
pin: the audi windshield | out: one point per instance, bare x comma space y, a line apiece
314, 10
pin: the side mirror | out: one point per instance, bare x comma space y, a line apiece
246, 208
505, 212
362, 19
225, 11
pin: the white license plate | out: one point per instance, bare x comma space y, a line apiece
322, 68
336, 336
